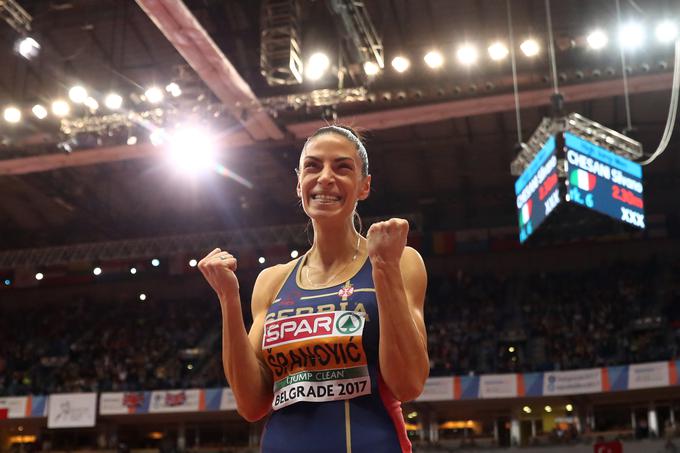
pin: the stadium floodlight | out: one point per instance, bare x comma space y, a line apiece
511, 349
193, 263
666, 31
133, 270
153, 95
498, 51
192, 150
39, 276
467, 54
97, 271
371, 68
91, 103
12, 114
60, 108
597, 39
526, 409
39, 111
317, 65
157, 137
400, 63
434, 59
530, 47
28, 47
132, 140
548, 409
569, 407
142, 297
173, 89
261, 260
631, 36
155, 262
113, 101
294, 254
77, 94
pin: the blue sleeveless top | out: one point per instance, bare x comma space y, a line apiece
322, 348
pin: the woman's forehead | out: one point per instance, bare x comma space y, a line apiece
330, 145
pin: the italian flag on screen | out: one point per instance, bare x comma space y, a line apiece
525, 213
582, 179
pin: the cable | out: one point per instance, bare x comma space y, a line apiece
551, 43
672, 109
514, 73
626, 97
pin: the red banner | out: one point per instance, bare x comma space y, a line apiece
608, 447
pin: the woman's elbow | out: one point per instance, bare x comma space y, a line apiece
251, 414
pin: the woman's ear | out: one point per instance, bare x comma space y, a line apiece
365, 189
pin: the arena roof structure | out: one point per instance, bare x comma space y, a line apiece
440, 140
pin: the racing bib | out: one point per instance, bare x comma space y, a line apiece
316, 357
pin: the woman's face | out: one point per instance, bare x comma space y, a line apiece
330, 180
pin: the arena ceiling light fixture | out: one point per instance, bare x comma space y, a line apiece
498, 51
597, 39
113, 101
530, 47
192, 150
400, 63
434, 59
467, 54
27, 47
12, 114
316, 66
77, 94
631, 36
153, 95
371, 68
60, 108
39, 111
666, 31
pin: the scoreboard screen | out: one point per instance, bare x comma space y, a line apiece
603, 181
537, 190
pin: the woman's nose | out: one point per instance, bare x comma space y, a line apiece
327, 174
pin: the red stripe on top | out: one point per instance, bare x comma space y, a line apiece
672, 373
393, 407
606, 385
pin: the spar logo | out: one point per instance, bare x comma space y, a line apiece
525, 213
348, 323
582, 179
298, 328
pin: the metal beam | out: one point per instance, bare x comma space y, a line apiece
370, 121
491, 104
186, 34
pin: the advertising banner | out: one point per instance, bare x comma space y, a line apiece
72, 410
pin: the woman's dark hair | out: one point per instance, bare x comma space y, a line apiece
351, 135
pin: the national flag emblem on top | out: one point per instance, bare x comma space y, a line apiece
582, 179
525, 213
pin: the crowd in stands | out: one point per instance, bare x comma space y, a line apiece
477, 323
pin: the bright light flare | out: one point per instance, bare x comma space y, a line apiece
97, 271
193, 263
400, 64
498, 51
28, 47
154, 95
631, 36
39, 111
91, 103
666, 31
294, 254
142, 297
530, 47
60, 108
192, 150
12, 114
597, 39
317, 65
77, 94
113, 101
467, 54
434, 59
371, 68
173, 89
39, 276
261, 260
155, 262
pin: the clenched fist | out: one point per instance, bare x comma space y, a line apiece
386, 241
218, 268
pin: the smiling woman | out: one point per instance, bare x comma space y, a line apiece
338, 339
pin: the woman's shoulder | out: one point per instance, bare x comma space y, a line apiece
272, 278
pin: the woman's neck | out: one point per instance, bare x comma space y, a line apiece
333, 245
